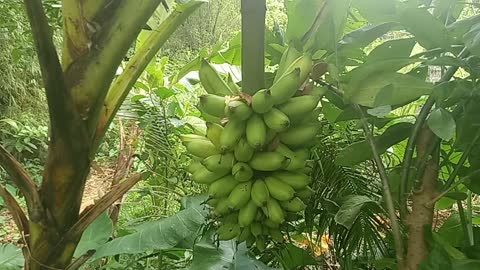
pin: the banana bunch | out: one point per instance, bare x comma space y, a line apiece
254, 154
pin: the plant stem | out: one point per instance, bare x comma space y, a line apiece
471, 241
408, 156
387, 195
253, 45
462, 160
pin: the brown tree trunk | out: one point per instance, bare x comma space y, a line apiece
421, 218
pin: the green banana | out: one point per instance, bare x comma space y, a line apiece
305, 193
261, 244
270, 224
256, 131
262, 101
299, 136
275, 211
256, 228
238, 110
219, 162
271, 135
204, 176
276, 235
268, 161
222, 187
311, 118
222, 207
305, 64
244, 234
228, 231
285, 87
201, 148
231, 134
296, 180
297, 107
278, 189
243, 151
194, 166
276, 120
186, 138
260, 193
240, 195
242, 172
211, 80
288, 57
293, 205
247, 214
213, 105
214, 131
297, 158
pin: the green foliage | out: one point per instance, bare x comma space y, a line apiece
10, 257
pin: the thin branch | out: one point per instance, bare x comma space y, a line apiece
470, 236
92, 212
409, 149
15, 210
462, 160
23, 181
253, 45
121, 86
387, 195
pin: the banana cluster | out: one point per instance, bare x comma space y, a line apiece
255, 150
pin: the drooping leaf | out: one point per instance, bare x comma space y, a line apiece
180, 229
11, 257
293, 257
451, 230
207, 255
459, 28
392, 49
472, 39
428, 30
95, 235
363, 36
387, 88
376, 11
361, 151
301, 15
442, 123
350, 208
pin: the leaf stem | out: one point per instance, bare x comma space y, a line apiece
386, 189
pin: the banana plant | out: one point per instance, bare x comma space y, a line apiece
83, 95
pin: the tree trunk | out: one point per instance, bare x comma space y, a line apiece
420, 219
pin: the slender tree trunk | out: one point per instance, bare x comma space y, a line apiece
420, 219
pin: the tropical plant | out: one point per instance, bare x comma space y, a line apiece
83, 94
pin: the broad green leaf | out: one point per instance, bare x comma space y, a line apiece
164, 92
293, 257
11, 257
473, 182
361, 151
451, 230
197, 124
350, 208
444, 203
207, 255
468, 124
459, 196
381, 111
376, 11
442, 123
95, 235
363, 36
384, 88
301, 15
392, 49
330, 111
180, 229
459, 28
428, 30
472, 40
10, 122
447, 10
447, 245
